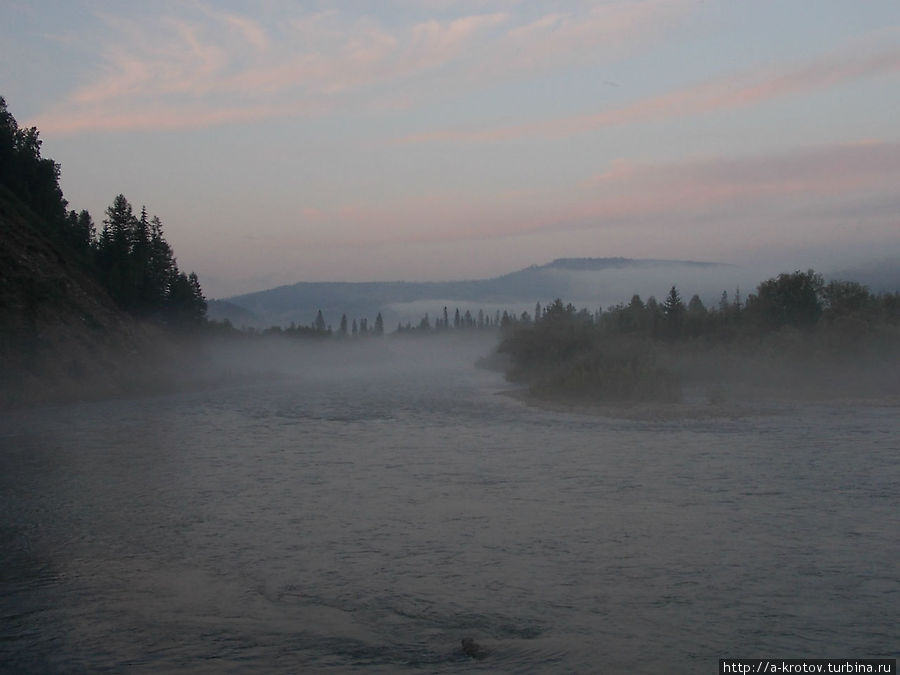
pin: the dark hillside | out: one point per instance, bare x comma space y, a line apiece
61, 336
82, 314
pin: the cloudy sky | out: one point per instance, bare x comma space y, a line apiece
289, 140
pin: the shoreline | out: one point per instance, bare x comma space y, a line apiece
693, 408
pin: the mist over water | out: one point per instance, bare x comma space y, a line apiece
363, 507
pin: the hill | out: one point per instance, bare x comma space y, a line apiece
62, 336
82, 314
589, 281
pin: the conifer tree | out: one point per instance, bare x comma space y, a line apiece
130, 257
80, 233
32, 178
186, 301
161, 267
674, 311
723, 302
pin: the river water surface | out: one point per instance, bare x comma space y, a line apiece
368, 508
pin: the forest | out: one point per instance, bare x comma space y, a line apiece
129, 257
795, 334
794, 331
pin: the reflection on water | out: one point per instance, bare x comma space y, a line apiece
368, 513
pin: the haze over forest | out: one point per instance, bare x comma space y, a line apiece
595, 283
330, 168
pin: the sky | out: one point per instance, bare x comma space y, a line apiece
288, 140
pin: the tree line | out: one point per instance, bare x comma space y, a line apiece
632, 351
480, 320
359, 327
129, 257
319, 328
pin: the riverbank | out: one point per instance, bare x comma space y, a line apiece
697, 403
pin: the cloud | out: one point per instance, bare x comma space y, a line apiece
307, 62
220, 65
724, 93
173, 116
250, 30
581, 34
436, 42
779, 190
802, 176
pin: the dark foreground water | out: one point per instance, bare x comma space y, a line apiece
374, 507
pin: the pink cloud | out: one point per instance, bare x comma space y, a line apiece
748, 189
250, 30
684, 195
143, 68
819, 170
438, 41
574, 34
192, 64
171, 117
725, 93
212, 59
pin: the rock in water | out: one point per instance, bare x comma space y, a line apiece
473, 649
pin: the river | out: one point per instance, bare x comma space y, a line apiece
364, 509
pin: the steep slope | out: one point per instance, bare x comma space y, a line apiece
61, 337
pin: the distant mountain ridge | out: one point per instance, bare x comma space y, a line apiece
299, 302
619, 263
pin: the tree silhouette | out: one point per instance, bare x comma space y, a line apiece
673, 307
129, 257
186, 298
80, 233
788, 300
319, 324
32, 178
